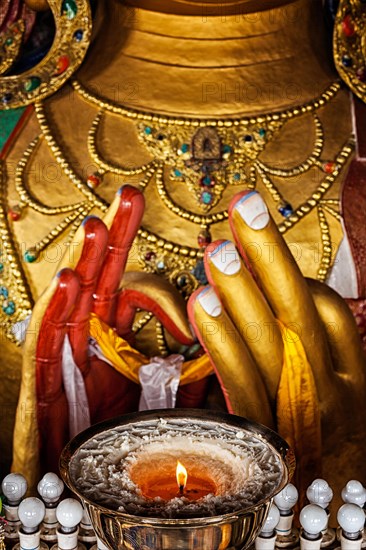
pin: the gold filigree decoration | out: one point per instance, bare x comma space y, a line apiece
72, 38
349, 45
10, 43
182, 265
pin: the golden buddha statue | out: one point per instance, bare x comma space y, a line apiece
201, 113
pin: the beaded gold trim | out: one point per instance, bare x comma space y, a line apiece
349, 45
163, 120
72, 38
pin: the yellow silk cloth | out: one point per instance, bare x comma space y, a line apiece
128, 361
298, 414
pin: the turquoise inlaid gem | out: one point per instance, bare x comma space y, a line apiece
262, 132
206, 197
206, 180
30, 256
69, 8
32, 83
1, 267
9, 308
236, 176
147, 130
185, 148
4, 291
177, 173
227, 149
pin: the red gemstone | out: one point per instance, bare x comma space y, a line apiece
14, 213
204, 239
149, 256
361, 74
93, 181
63, 63
328, 167
348, 27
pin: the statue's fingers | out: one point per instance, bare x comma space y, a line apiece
281, 280
48, 329
248, 309
342, 332
240, 380
42, 373
123, 220
149, 292
86, 254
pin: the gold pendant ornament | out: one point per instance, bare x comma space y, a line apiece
349, 43
72, 38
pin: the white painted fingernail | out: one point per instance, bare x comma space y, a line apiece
226, 258
253, 210
209, 301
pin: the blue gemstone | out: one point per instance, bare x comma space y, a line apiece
286, 210
347, 61
78, 35
248, 138
4, 291
1, 267
6, 98
206, 180
227, 149
9, 308
185, 148
177, 173
236, 176
148, 130
262, 132
199, 272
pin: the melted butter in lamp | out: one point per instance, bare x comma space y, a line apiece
167, 483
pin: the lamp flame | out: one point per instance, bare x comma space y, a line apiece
181, 476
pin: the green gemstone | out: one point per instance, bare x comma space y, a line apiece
69, 8
262, 132
227, 149
1, 267
32, 83
30, 256
184, 148
9, 41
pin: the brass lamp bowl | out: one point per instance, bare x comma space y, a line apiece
120, 530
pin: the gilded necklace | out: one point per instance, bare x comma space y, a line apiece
205, 155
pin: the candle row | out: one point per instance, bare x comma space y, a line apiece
278, 532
